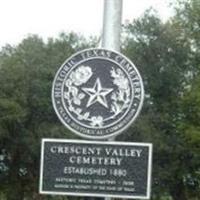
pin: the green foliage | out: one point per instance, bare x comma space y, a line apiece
187, 21
164, 55
26, 111
189, 126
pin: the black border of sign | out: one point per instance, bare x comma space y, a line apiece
97, 194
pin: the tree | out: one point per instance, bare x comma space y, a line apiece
157, 49
26, 111
189, 127
187, 21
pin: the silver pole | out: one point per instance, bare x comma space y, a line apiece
112, 29
112, 24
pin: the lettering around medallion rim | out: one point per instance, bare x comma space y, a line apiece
108, 53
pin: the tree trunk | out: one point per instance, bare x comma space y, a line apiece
16, 193
178, 192
36, 196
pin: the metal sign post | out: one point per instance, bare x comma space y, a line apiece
112, 24
112, 29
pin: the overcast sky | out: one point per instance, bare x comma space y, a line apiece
48, 18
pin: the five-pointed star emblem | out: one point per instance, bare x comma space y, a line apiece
97, 94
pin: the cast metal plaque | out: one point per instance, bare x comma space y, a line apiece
97, 93
94, 168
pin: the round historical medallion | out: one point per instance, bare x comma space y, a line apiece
97, 93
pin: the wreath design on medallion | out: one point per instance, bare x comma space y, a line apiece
120, 97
